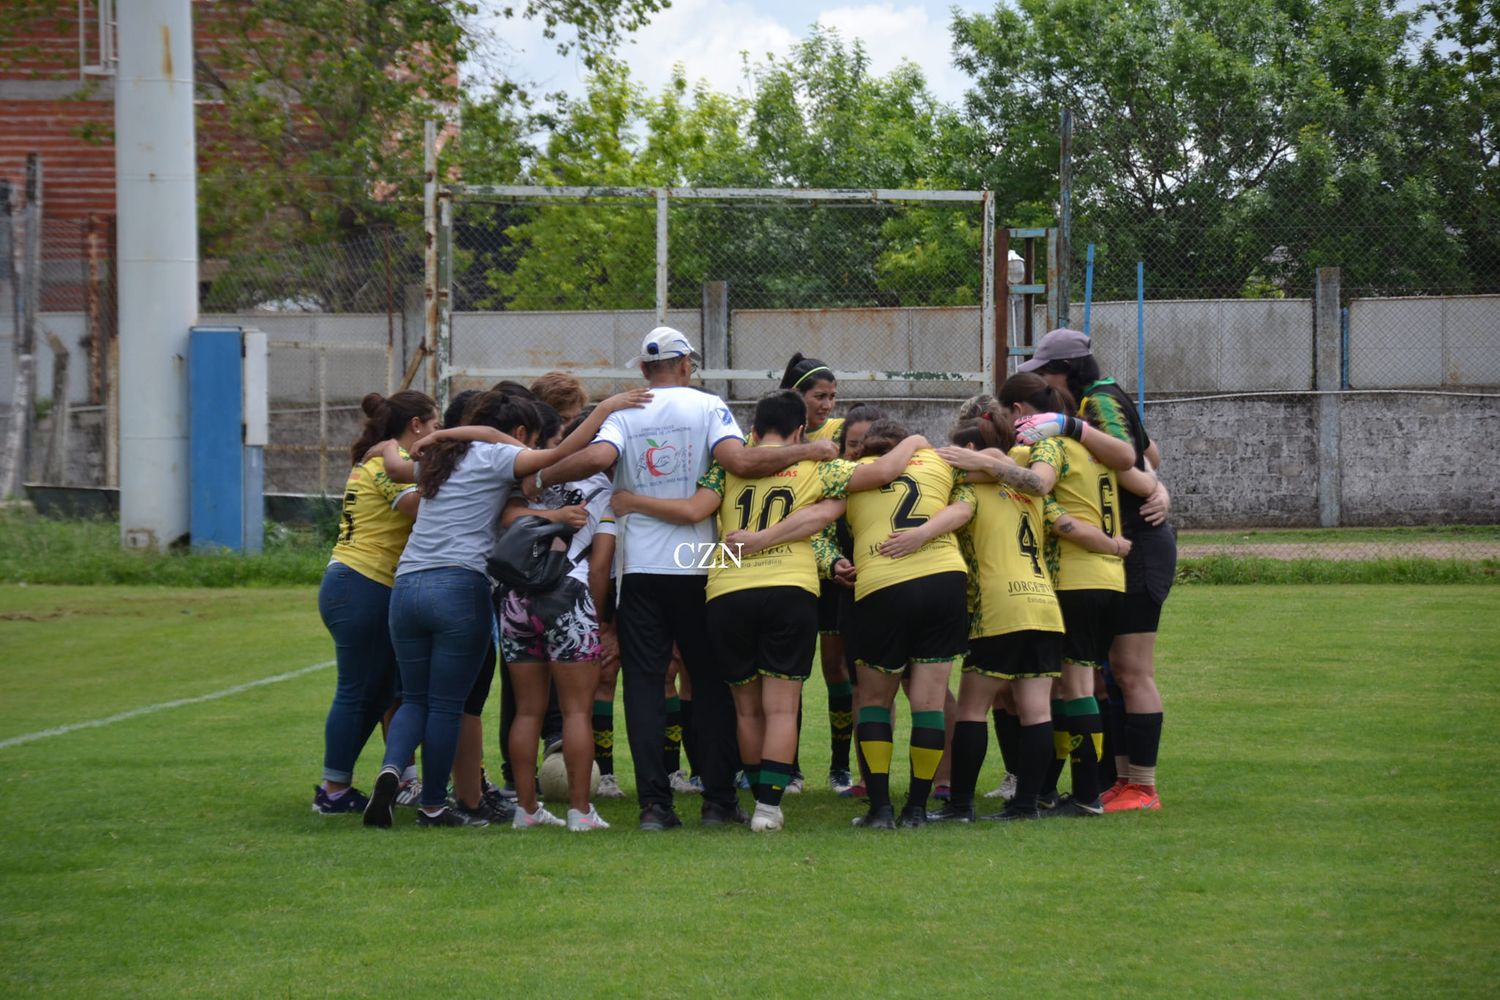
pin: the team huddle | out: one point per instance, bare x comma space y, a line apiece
647, 540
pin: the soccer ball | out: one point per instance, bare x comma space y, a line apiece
552, 779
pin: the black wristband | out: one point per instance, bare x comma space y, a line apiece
1073, 428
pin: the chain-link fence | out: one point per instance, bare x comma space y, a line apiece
892, 288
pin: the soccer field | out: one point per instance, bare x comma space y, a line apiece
1329, 773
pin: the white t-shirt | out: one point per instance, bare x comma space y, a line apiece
664, 447
594, 492
457, 527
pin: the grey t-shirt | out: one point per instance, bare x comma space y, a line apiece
457, 527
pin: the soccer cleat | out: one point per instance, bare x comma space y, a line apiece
950, 814
579, 822
1134, 798
913, 816
524, 820
795, 786
1046, 801
383, 798
840, 782
508, 791
741, 780
941, 792
480, 814
656, 818
609, 787
681, 784
409, 796
717, 815
1012, 813
1114, 790
878, 818
497, 807
1005, 790
766, 818
452, 816
352, 801
1070, 807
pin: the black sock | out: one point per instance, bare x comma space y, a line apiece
1086, 732
1143, 739
840, 724
969, 743
604, 736
774, 776
671, 751
1037, 756
689, 738
1008, 735
1060, 749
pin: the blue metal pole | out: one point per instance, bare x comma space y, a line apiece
1088, 290
1140, 339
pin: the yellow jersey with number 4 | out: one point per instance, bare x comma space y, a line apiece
1010, 588
925, 486
1086, 489
757, 504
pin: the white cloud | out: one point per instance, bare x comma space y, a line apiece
891, 33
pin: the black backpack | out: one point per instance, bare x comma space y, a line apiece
524, 559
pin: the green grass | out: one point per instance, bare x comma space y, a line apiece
1328, 773
1267, 536
1236, 569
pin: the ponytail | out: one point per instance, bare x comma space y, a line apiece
387, 418
803, 373
1036, 392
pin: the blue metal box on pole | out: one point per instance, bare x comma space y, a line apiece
227, 425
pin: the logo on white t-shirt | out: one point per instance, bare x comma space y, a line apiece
659, 460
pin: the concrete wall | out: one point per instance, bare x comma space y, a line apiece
1449, 341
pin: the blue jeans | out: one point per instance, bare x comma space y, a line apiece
355, 610
440, 622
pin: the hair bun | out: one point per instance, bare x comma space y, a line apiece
372, 404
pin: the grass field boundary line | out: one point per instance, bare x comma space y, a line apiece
136, 713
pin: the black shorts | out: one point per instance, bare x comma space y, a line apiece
916, 621
1091, 618
765, 632
828, 607
1149, 571
1016, 655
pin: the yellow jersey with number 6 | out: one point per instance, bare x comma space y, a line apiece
1086, 489
926, 486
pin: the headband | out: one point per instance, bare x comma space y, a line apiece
811, 371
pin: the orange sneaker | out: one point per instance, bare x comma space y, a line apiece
1134, 798
1114, 790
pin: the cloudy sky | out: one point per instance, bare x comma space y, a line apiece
707, 37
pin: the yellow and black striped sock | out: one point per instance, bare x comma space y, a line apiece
671, 751
1086, 730
875, 742
926, 754
774, 776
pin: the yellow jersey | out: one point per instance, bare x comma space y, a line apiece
827, 431
1010, 589
1086, 489
756, 504
372, 532
926, 486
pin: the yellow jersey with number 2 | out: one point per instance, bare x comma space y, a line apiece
925, 486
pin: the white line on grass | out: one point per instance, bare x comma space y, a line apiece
161, 706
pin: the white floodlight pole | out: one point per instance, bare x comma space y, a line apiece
157, 210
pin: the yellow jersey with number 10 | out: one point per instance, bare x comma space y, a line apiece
1086, 489
756, 504
926, 486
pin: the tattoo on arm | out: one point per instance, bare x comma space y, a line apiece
1066, 527
1022, 479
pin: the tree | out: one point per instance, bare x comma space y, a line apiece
1229, 143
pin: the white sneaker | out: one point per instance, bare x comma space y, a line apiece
527, 821
609, 787
410, 794
681, 784
583, 822
766, 818
1006, 789
794, 787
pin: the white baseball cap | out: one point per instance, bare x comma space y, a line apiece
664, 343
